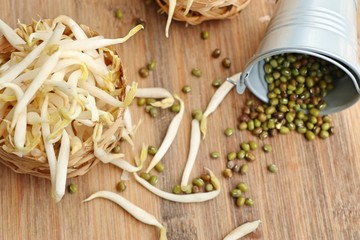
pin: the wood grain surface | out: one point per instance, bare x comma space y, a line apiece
315, 195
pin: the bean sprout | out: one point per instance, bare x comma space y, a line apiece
169, 137
215, 101
132, 209
195, 139
243, 230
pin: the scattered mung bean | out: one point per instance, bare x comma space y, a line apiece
253, 145
143, 72
226, 63
209, 187
154, 112
153, 180
197, 114
241, 154
245, 147
152, 150
175, 108
116, 149
145, 176
231, 156
177, 189
205, 34
206, 177
243, 187
216, 83
186, 89
215, 155
249, 202
249, 156
198, 182
272, 168
244, 169
227, 173
228, 132
121, 186
235, 193
159, 167
119, 13
267, 148
216, 53
196, 72
141, 102
72, 188
240, 201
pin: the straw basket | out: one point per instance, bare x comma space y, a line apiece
81, 161
204, 10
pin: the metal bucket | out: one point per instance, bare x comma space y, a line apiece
322, 28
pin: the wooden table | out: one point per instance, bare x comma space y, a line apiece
315, 194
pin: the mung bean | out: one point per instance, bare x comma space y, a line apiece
215, 155
272, 168
121, 186
228, 132
72, 188
216, 53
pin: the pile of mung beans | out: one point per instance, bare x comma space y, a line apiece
238, 163
297, 85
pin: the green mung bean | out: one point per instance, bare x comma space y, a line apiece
209, 187
253, 145
249, 202
245, 147
240, 201
175, 107
152, 150
116, 149
272, 168
186, 89
205, 34
196, 72
231, 156
235, 193
215, 155
198, 182
226, 63
151, 65
228, 132
121, 186
72, 188
241, 154
141, 102
145, 176
267, 148
153, 180
242, 187
216, 83
159, 167
244, 169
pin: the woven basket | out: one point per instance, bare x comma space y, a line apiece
204, 10
81, 161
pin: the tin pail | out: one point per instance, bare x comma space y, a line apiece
326, 29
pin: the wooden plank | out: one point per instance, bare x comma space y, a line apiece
314, 195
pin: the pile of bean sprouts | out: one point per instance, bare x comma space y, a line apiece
57, 91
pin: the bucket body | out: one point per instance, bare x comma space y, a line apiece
326, 29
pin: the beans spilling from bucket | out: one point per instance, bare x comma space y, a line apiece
297, 85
